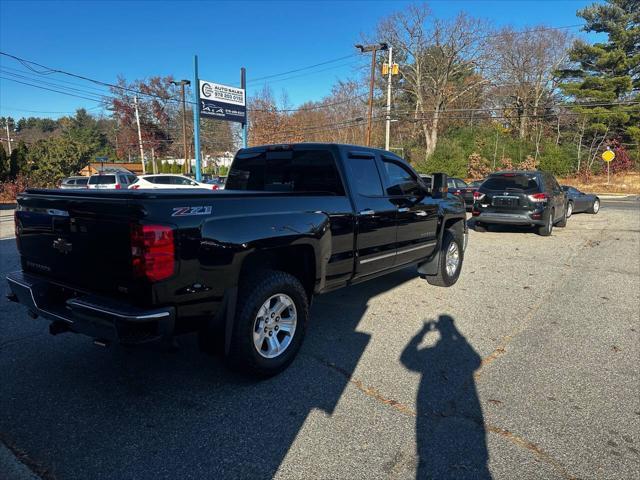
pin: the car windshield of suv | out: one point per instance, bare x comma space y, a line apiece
102, 179
525, 183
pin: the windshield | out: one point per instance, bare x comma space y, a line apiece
520, 182
102, 179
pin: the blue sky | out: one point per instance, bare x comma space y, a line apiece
104, 39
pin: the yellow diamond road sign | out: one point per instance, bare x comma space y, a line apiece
608, 155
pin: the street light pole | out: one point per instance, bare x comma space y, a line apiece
187, 160
8, 135
373, 48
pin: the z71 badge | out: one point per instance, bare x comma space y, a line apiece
188, 211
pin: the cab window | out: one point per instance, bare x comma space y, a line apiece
401, 180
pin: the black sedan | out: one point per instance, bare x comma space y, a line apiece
581, 202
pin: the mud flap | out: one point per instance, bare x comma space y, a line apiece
231, 298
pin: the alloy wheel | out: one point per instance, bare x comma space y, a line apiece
274, 326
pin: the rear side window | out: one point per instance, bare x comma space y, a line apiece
366, 178
162, 180
525, 183
102, 179
286, 171
180, 181
82, 181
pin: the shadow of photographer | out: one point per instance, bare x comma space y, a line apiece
450, 430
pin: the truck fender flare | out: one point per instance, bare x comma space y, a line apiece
430, 266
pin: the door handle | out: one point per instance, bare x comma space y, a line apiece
420, 213
403, 209
366, 211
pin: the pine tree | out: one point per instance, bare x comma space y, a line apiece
607, 72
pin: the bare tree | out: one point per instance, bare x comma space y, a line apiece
524, 72
439, 62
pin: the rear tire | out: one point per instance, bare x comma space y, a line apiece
272, 312
479, 227
595, 206
546, 229
450, 262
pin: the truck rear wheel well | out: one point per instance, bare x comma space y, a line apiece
298, 261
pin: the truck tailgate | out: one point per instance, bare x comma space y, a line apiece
84, 242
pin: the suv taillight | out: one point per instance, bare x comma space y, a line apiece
118, 186
152, 251
538, 197
478, 196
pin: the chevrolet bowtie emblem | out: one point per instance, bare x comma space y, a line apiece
62, 245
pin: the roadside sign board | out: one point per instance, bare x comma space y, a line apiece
222, 102
608, 155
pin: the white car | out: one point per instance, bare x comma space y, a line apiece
166, 180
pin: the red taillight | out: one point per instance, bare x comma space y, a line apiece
214, 187
539, 197
478, 196
118, 186
134, 187
152, 251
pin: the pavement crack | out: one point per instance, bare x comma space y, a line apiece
517, 440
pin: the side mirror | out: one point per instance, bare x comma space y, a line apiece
439, 185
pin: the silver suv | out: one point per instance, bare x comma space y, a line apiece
114, 180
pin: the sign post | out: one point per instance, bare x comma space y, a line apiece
243, 86
608, 155
196, 119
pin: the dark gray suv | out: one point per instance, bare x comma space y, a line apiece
520, 198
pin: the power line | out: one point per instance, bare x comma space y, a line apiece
51, 89
302, 68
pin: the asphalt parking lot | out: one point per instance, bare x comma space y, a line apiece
527, 368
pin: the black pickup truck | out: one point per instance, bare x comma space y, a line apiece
240, 266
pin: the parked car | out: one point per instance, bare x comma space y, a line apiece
521, 198
167, 180
457, 186
581, 202
242, 266
111, 180
217, 182
74, 183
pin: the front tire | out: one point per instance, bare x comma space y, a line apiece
563, 221
569, 209
595, 206
270, 324
450, 262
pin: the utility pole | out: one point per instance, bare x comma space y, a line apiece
373, 49
243, 85
8, 135
187, 159
135, 102
388, 123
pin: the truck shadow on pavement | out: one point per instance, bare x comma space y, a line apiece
79, 411
450, 429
